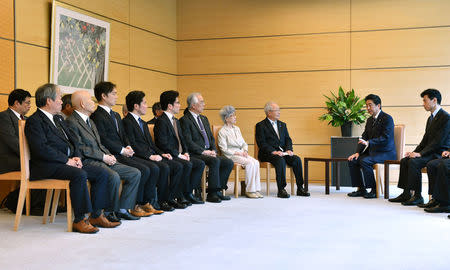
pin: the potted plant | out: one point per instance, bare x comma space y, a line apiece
343, 110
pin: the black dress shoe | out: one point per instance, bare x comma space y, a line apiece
223, 197
415, 200
183, 200
213, 198
401, 198
430, 204
302, 192
112, 217
359, 193
166, 207
193, 199
438, 209
371, 195
127, 216
283, 194
176, 204
448, 216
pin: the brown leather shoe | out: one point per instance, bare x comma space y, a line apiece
150, 209
139, 212
84, 227
103, 222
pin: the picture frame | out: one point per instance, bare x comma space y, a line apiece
79, 50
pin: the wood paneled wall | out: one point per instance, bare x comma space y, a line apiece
247, 52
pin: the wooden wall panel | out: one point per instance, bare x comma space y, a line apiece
32, 67
159, 16
33, 21
386, 14
119, 49
153, 52
296, 89
7, 15
237, 18
120, 76
401, 48
6, 66
116, 9
402, 87
315, 52
3, 101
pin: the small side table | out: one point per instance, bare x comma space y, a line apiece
327, 162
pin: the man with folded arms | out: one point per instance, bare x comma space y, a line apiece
434, 142
438, 171
275, 146
169, 138
18, 106
375, 146
201, 144
94, 153
141, 140
55, 154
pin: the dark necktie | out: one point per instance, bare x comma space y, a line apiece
175, 127
21, 117
203, 132
141, 124
374, 121
88, 122
111, 113
57, 122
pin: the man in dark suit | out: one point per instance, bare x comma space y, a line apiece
434, 142
275, 146
19, 105
55, 154
114, 138
67, 108
201, 144
95, 154
169, 138
438, 171
375, 146
157, 112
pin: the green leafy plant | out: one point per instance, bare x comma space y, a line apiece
344, 108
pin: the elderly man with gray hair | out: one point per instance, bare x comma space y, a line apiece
275, 146
233, 146
201, 144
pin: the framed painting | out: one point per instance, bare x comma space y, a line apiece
79, 51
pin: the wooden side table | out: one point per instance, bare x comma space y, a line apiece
327, 162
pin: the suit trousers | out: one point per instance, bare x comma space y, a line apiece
280, 169
191, 176
159, 176
410, 177
219, 169
441, 190
175, 170
365, 164
117, 172
432, 169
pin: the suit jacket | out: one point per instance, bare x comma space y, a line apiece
437, 135
114, 140
88, 137
48, 145
141, 142
165, 137
380, 135
194, 138
152, 121
9, 142
267, 138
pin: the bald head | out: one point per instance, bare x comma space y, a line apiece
82, 102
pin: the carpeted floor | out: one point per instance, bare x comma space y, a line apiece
320, 232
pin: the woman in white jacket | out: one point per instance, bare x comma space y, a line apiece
233, 146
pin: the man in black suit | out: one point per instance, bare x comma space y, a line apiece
67, 108
169, 138
201, 144
434, 142
275, 146
375, 146
157, 112
114, 138
55, 154
438, 171
94, 153
19, 105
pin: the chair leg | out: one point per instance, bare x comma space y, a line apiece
55, 205
292, 182
69, 211
243, 187
268, 180
236, 182
20, 204
28, 203
48, 200
377, 178
204, 185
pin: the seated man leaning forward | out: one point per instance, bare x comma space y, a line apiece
275, 146
233, 146
375, 146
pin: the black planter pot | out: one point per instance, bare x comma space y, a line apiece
346, 129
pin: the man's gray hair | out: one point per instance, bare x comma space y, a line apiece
192, 99
43, 93
226, 112
268, 106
